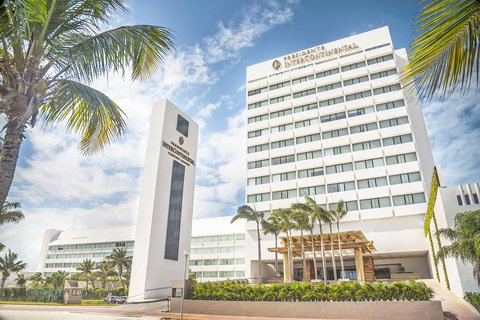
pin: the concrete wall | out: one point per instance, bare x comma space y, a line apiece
392, 310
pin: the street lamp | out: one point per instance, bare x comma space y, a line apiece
185, 277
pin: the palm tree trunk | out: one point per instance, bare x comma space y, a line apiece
439, 243
304, 276
276, 258
259, 254
8, 161
322, 245
334, 263
314, 254
340, 247
432, 249
292, 265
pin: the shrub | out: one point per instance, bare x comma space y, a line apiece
474, 299
32, 295
345, 291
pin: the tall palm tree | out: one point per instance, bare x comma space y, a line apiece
57, 280
319, 214
120, 260
287, 225
340, 212
300, 215
311, 227
9, 265
445, 55
103, 272
272, 226
36, 280
10, 212
465, 239
51, 51
330, 214
21, 280
247, 213
86, 269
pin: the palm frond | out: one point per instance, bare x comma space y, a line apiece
86, 111
446, 53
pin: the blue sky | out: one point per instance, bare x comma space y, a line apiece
215, 41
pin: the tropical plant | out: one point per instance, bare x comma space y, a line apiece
51, 51
465, 240
10, 212
9, 265
120, 260
247, 213
340, 213
21, 280
330, 217
474, 299
300, 215
57, 280
36, 280
272, 226
104, 271
445, 55
319, 214
284, 217
86, 269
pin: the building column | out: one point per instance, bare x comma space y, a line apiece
310, 270
286, 268
359, 264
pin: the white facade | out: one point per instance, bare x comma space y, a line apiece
333, 122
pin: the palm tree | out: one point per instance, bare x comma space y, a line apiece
36, 280
86, 268
339, 213
272, 226
319, 214
21, 281
330, 214
247, 213
57, 280
300, 215
445, 54
51, 51
120, 260
287, 225
464, 237
105, 271
9, 265
10, 212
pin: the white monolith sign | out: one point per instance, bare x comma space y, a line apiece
164, 220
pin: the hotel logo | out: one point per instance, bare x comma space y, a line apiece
276, 64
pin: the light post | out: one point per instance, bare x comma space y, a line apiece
185, 252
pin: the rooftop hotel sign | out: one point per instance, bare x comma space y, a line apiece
314, 54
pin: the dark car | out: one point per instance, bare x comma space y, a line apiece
116, 299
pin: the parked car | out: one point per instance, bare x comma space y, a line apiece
116, 299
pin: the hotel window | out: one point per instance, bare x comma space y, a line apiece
372, 182
405, 178
393, 122
259, 104
306, 123
337, 150
309, 138
367, 145
344, 167
348, 205
182, 125
280, 99
226, 274
353, 66
363, 127
257, 133
475, 198
281, 128
303, 79
408, 199
211, 239
258, 197
210, 274
197, 239
309, 155
196, 262
240, 261
377, 47
327, 73
226, 262
240, 274
356, 80
306, 107
467, 199
259, 148
358, 95
375, 203
282, 143
393, 87
330, 102
280, 113
258, 118
335, 133
382, 74
226, 249
311, 191
333, 117
240, 236
401, 158
285, 194
307, 173
390, 105
329, 87
459, 200
370, 163
210, 262
303, 93
258, 180
227, 237
257, 91
380, 59
284, 176
360, 111
258, 164
397, 140
341, 186
279, 85
283, 159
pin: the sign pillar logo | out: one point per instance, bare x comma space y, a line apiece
181, 140
276, 64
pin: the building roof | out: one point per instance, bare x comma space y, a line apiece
95, 235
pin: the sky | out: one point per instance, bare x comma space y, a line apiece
215, 41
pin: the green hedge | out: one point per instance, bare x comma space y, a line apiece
345, 291
31, 295
474, 299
